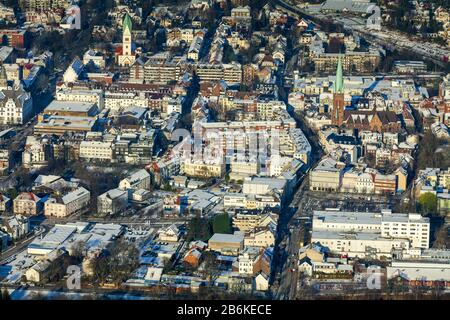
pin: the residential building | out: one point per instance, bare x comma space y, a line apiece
247, 221
17, 226
16, 105
4, 203
27, 203
264, 237
67, 204
169, 234
96, 150
112, 201
204, 169
137, 180
261, 282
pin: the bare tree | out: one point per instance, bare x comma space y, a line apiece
210, 270
78, 250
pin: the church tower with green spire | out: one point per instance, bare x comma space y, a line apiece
127, 58
338, 95
126, 37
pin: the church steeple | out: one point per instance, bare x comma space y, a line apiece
127, 27
127, 24
338, 96
127, 57
339, 82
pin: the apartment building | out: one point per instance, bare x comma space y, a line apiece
15, 38
4, 202
43, 5
165, 169
241, 12
17, 226
240, 135
36, 153
203, 169
112, 201
409, 67
27, 203
137, 180
352, 61
247, 260
250, 220
195, 48
162, 69
14, 72
176, 35
96, 150
261, 237
244, 168
16, 105
67, 204
119, 101
230, 73
444, 88
412, 226
7, 14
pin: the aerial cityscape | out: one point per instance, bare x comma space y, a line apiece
224, 150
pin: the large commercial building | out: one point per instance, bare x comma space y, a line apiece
428, 268
326, 176
362, 233
227, 244
71, 109
58, 125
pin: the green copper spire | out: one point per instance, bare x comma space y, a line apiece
127, 24
339, 83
